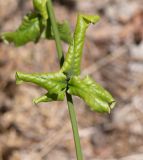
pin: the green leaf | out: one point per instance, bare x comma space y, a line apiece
55, 83
72, 62
50, 97
64, 31
40, 7
92, 93
30, 30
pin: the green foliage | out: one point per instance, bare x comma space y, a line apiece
92, 93
40, 7
64, 31
66, 80
72, 63
29, 30
36, 25
49, 97
53, 82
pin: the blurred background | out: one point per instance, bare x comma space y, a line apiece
113, 56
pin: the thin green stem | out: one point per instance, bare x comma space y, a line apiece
74, 127
69, 97
56, 32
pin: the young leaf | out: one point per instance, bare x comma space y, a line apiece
64, 31
33, 27
72, 62
40, 6
50, 97
92, 93
55, 83
29, 30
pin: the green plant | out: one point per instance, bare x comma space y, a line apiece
66, 82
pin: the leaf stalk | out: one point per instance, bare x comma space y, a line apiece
68, 96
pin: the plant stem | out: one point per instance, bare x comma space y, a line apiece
69, 97
56, 32
74, 127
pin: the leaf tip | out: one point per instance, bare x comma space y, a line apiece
18, 79
112, 104
43, 98
91, 18
3, 38
35, 101
96, 19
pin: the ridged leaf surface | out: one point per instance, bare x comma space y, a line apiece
96, 97
40, 6
29, 30
72, 63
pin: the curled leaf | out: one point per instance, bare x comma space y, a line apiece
92, 93
64, 31
72, 62
67, 79
29, 30
32, 28
40, 6
55, 83
50, 97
